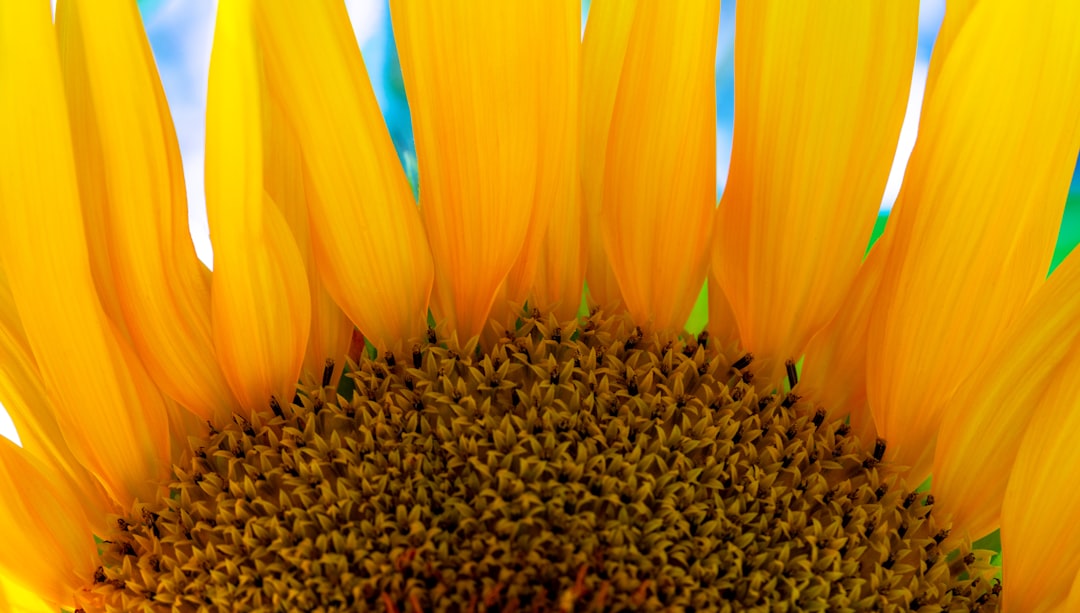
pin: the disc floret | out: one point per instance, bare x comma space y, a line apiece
574, 465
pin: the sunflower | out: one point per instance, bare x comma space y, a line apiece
515, 454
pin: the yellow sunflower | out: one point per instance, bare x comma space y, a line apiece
170, 461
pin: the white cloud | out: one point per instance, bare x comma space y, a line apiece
7, 427
907, 136
367, 17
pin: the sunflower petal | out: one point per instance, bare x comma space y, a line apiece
261, 303
1072, 602
978, 440
834, 367
976, 221
132, 186
488, 133
366, 232
549, 269
16, 598
285, 180
22, 394
112, 416
1040, 542
48, 544
560, 270
820, 93
603, 50
86, 141
956, 14
659, 174
722, 326
21, 387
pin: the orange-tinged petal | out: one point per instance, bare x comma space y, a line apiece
491, 86
981, 432
659, 180
1040, 538
112, 416
48, 543
549, 270
261, 303
820, 95
977, 218
284, 177
560, 270
834, 368
367, 235
722, 327
132, 187
183, 424
603, 50
557, 177
1072, 601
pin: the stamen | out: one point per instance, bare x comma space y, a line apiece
429, 489
275, 406
743, 362
879, 449
792, 373
328, 372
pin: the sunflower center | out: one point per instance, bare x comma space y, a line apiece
572, 466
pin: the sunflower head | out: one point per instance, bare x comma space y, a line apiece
571, 466
202, 439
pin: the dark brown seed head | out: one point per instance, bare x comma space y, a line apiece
553, 480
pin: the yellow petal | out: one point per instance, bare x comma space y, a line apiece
132, 186
722, 327
21, 387
1040, 537
981, 431
261, 303
183, 424
976, 221
603, 50
549, 270
284, 177
17, 598
86, 141
22, 394
494, 122
1072, 601
560, 270
834, 368
112, 416
48, 543
367, 235
820, 94
956, 14
659, 175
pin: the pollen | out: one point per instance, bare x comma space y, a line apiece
574, 466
